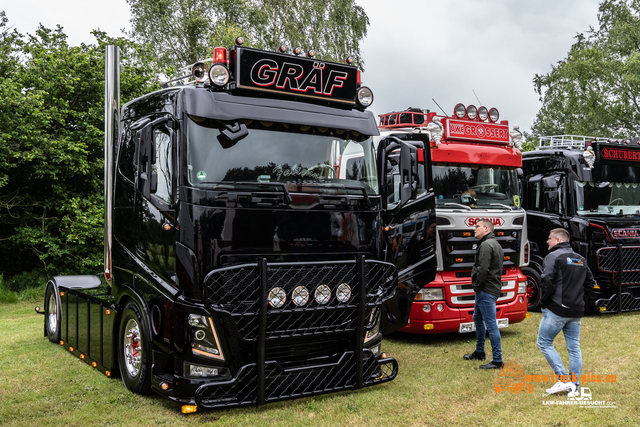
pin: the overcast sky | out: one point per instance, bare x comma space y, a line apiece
415, 50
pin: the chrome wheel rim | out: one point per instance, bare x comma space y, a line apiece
132, 348
53, 314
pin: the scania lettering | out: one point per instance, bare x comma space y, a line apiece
241, 267
588, 186
475, 176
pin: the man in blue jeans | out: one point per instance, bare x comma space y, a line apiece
565, 282
486, 278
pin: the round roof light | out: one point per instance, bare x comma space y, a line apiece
311, 53
300, 296
219, 75
239, 41
472, 112
282, 49
322, 294
460, 111
364, 96
483, 113
199, 71
277, 297
343, 293
297, 51
349, 60
494, 115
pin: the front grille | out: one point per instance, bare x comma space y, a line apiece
234, 292
281, 384
301, 350
609, 262
459, 250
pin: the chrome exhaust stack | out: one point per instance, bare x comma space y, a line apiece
111, 135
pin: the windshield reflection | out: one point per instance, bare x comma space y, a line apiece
280, 153
607, 198
475, 186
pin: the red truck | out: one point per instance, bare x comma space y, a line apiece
474, 168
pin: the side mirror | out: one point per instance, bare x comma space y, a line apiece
146, 177
408, 172
551, 201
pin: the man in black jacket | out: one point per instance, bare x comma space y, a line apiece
565, 281
486, 278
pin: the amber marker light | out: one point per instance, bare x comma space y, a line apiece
500, 233
94, 364
466, 234
459, 260
164, 386
507, 258
107, 312
528, 316
61, 293
108, 373
81, 356
189, 409
428, 326
71, 348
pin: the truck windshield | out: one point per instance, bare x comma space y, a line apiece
277, 152
476, 186
607, 198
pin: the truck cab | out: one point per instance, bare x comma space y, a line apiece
589, 187
243, 264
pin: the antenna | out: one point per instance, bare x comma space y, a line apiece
474, 92
439, 106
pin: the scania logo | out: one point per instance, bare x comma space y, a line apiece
472, 221
625, 233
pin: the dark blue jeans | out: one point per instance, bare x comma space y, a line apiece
484, 317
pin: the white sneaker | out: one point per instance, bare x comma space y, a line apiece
559, 387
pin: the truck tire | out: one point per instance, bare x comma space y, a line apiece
533, 287
134, 355
52, 312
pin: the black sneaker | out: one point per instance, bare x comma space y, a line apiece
474, 356
492, 365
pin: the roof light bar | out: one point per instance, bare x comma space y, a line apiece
460, 111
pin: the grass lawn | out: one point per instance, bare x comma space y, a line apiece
42, 385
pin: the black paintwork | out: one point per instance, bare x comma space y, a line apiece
163, 251
587, 232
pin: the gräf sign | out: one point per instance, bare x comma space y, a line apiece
293, 75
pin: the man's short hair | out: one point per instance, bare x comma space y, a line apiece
561, 234
486, 223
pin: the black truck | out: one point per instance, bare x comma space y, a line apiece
242, 266
590, 187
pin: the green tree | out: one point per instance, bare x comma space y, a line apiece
595, 90
51, 147
181, 32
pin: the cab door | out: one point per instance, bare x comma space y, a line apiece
409, 219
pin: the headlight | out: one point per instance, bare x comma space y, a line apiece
430, 294
483, 113
364, 96
343, 293
277, 297
494, 115
322, 294
472, 112
522, 287
203, 337
300, 296
371, 333
218, 75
